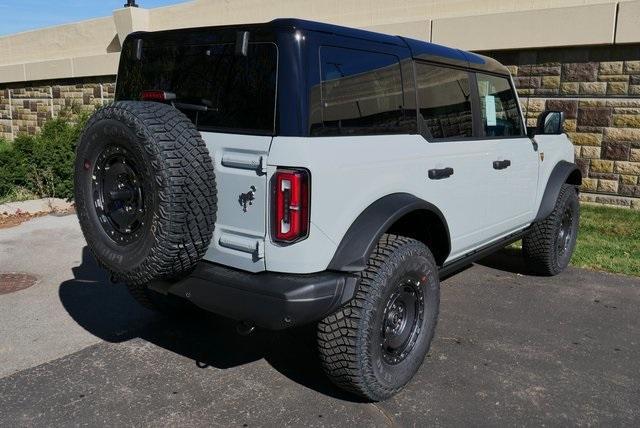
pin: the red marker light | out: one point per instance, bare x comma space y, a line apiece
291, 205
158, 96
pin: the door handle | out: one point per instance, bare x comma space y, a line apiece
503, 164
439, 174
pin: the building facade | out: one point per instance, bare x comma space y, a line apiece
579, 56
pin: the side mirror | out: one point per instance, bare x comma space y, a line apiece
549, 123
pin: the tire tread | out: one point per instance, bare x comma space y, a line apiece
339, 333
183, 172
538, 245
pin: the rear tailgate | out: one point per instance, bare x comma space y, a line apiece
230, 95
240, 167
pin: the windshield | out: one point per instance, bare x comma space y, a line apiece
216, 88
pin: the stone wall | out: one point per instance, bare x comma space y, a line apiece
24, 109
599, 90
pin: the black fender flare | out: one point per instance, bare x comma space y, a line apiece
362, 236
563, 172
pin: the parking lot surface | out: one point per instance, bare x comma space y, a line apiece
510, 349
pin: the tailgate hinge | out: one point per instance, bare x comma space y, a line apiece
263, 165
245, 161
242, 243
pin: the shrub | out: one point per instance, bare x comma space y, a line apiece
41, 164
12, 171
18, 194
4, 145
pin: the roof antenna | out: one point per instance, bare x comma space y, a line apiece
131, 3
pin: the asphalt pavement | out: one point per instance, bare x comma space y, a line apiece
510, 349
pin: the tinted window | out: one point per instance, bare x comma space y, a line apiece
360, 93
499, 107
444, 101
215, 88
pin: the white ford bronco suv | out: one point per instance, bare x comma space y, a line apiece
294, 172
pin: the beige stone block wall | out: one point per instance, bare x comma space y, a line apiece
26, 109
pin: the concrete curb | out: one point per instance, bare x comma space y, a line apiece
37, 206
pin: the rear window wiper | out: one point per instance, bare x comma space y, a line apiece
165, 96
194, 107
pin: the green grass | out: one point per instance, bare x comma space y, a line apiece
608, 240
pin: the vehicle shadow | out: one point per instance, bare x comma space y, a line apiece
107, 311
508, 259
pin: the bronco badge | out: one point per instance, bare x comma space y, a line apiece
247, 198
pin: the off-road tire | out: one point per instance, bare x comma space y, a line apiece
540, 246
350, 340
177, 185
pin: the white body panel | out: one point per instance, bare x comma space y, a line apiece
350, 173
552, 149
480, 204
513, 190
239, 164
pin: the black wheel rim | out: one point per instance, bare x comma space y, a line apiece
402, 320
565, 233
118, 195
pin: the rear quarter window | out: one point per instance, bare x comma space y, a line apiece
216, 88
360, 94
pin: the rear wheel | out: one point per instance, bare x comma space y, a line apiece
549, 244
375, 344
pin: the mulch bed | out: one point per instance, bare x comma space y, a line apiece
12, 220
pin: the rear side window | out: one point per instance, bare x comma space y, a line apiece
499, 107
217, 89
360, 94
444, 101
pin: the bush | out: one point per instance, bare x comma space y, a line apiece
40, 164
4, 145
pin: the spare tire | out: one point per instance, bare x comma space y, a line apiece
145, 191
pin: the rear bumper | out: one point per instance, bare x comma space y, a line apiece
269, 300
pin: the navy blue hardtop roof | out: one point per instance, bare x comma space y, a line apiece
419, 49
302, 24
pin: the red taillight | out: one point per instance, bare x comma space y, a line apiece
159, 96
291, 205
